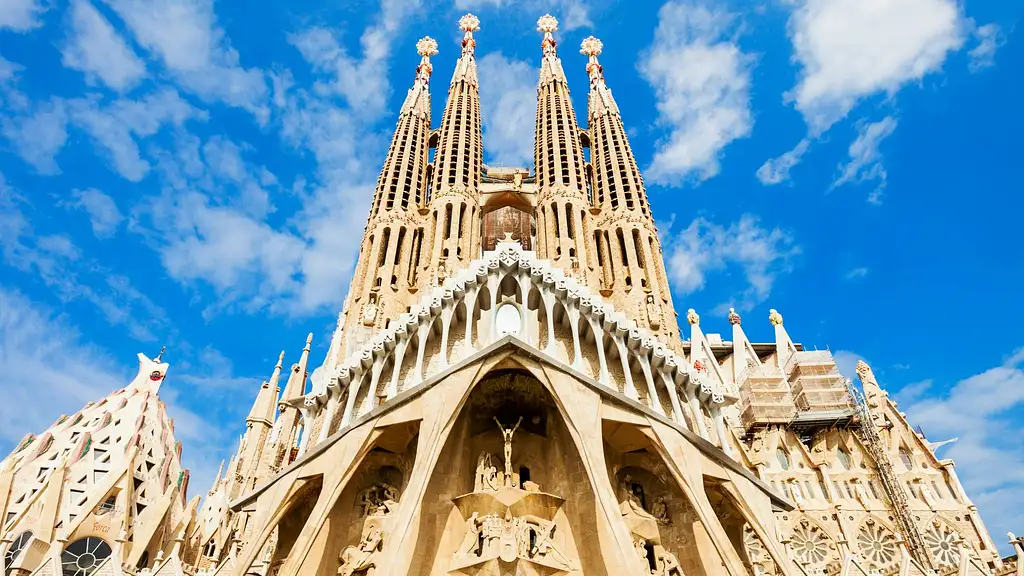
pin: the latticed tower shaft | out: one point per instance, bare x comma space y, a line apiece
629, 256
453, 204
388, 270
562, 200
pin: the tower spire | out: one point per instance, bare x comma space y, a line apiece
562, 218
458, 164
629, 251
387, 273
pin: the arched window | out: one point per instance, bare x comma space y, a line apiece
783, 457
844, 459
908, 461
83, 557
14, 550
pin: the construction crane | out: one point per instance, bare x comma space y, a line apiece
868, 433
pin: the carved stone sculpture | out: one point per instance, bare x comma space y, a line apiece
668, 564
363, 556
486, 473
507, 435
660, 511
653, 313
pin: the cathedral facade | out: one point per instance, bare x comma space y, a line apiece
509, 391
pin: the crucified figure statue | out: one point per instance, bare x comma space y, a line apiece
507, 435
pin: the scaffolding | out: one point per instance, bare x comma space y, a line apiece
868, 433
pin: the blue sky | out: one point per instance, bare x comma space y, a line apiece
197, 175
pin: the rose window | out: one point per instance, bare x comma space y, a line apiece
877, 545
83, 557
14, 550
752, 544
809, 543
942, 541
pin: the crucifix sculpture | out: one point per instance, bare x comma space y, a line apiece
507, 435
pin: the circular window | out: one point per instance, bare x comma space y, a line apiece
782, 457
83, 557
14, 550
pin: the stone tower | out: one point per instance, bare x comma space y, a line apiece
100, 490
562, 198
627, 245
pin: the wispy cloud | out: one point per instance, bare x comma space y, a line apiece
990, 38
58, 262
185, 36
97, 50
21, 15
704, 247
701, 80
104, 216
508, 105
865, 162
850, 50
983, 412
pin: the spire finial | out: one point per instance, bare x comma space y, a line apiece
425, 47
591, 47
309, 340
280, 359
774, 317
548, 24
692, 317
734, 318
160, 355
468, 24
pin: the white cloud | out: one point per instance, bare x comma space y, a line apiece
705, 247
21, 15
990, 37
56, 261
865, 163
104, 216
983, 412
508, 105
571, 14
847, 362
186, 37
97, 50
702, 84
39, 349
851, 49
858, 272
776, 170
39, 135
117, 126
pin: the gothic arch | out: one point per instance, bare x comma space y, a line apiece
543, 444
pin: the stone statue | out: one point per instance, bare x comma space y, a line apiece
653, 313
668, 564
544, 548
486, 473
632, 503
472, 544
517, 180
370, 311
363, 556
507, 435
377, 497
441, 274
660, 511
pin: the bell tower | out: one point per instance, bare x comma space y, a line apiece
387, 274
562, 219
632, 269
458, 164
